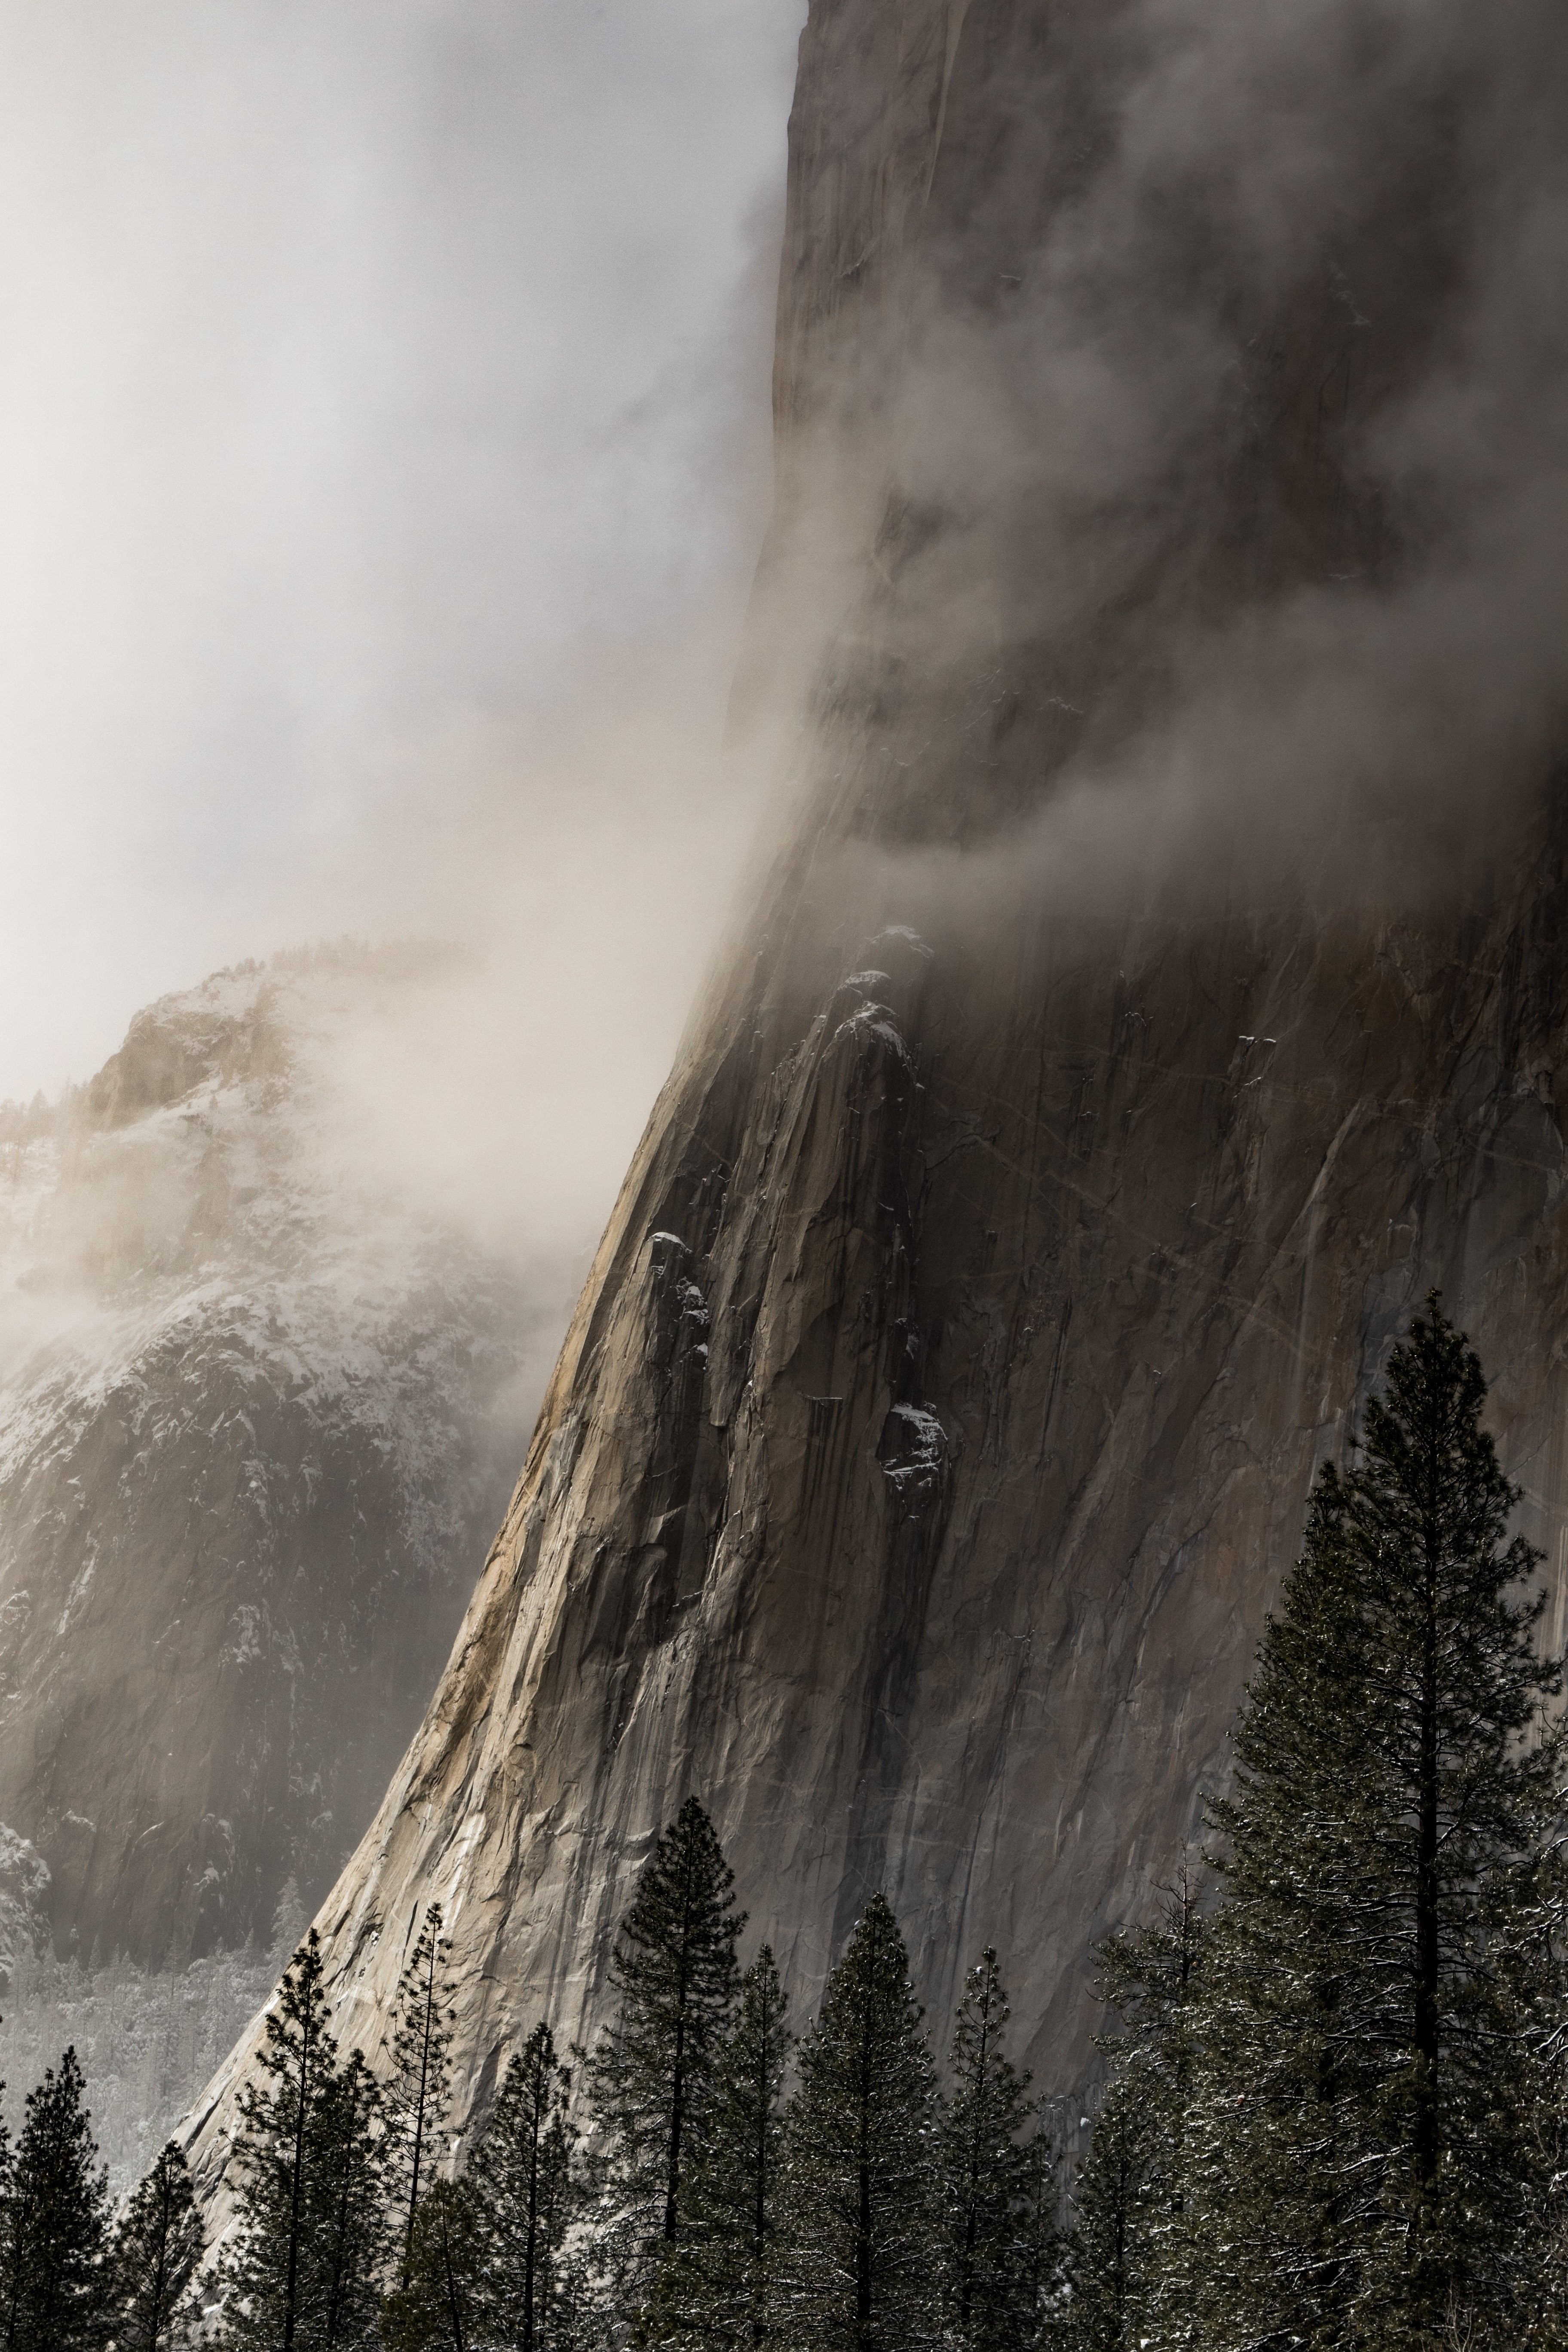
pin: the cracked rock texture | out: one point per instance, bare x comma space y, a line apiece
936, 1421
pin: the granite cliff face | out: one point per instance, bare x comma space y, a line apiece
253, 1412
1006, 1249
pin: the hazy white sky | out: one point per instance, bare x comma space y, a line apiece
383, 426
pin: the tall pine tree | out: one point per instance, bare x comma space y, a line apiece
649, 2079
1043, 2243
55, 2281
523, 2171
716, 2286
268, 2275
157, 2252
441, 2303
420, 2087
1367, 2144
346, 2145
858, 2269
1132, 2193
305, 2271
990, 2178
1113, 2258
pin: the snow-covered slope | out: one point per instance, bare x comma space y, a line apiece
259, 1404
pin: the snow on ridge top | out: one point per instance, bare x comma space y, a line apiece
218, 1184
292, 986
907, 937
874, 1021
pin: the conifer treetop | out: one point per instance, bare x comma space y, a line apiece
714, 2288
995, 2181
1410, 1589
1377, 2005
56, 2289
680, 1933
420, 2085
863, 2196
157, 2251
675, 1973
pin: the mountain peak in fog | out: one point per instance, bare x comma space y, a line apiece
258, 1405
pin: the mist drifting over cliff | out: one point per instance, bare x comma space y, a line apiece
383, 406
1058, 431
1156, 671
384, 457
1146, 1004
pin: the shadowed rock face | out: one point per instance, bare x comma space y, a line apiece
936, 1421
252, 1414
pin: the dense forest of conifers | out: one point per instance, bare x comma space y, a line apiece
1335, 2101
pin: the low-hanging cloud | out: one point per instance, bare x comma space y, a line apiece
383, 458
1225, 433
377, 378
1223, 428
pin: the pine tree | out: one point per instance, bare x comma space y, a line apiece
649, 2078
268, 2277
1132, 2193
991, 2188
858, 2268
305, 2271
441, 2301
9, 2219
157, 2250
526, 2192
1042, 2242
421, 2064
55, 2281
1367, 2162
1111, 2262
347, 2208
716, 2285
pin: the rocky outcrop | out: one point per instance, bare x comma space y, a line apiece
254, 1410
1002, 1254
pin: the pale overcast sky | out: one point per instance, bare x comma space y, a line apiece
381, 383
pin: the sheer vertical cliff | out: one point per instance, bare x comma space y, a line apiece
1038, 1187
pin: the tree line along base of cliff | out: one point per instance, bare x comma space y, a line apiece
1336, 2111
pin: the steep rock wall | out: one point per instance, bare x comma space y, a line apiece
937, 1419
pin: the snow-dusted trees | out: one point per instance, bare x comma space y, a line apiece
997, 2181
1337, 2108
348, 2206
157, 2248
649, 2080
1356, 2097
54, 2285
527, 2197
306, 2268
440, 2302
1112, 2267
716, 2285
483, 2273
269, 2272
420, 2086
1368, 2160
1132, 2193
862, 2222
